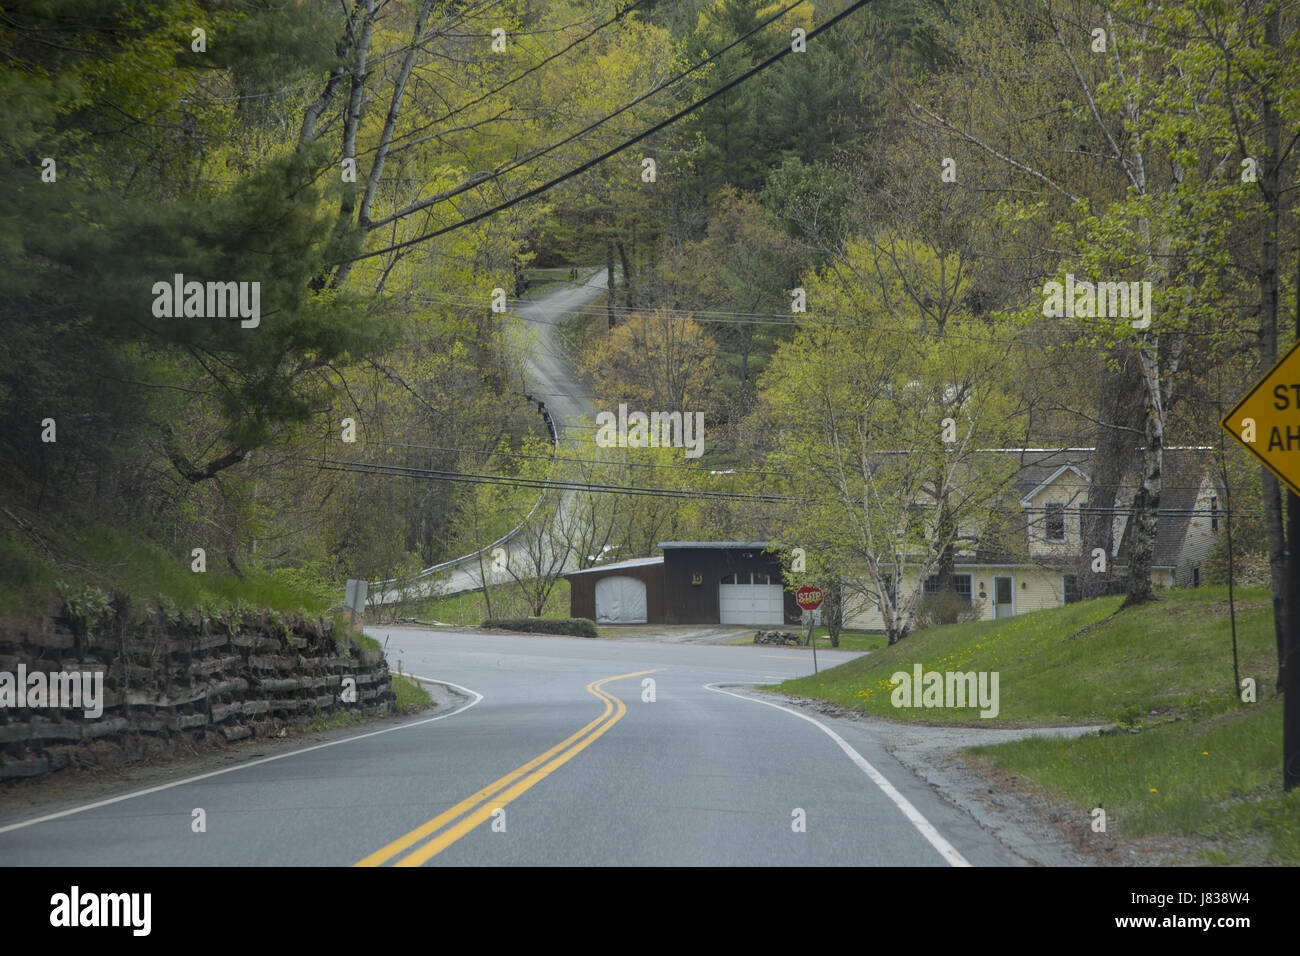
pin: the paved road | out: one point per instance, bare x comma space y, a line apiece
585, 771
549, 376
549, 373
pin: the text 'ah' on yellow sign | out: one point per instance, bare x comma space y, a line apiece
1267, 420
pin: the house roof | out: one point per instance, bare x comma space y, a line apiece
716, 544
1183, 475
1184, 470
618, 565
1028, 496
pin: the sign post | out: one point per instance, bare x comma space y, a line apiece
355, 597
1267, 424
809, 597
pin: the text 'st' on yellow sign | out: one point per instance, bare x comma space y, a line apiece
1267, 420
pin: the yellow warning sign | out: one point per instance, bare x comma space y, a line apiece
1267, 420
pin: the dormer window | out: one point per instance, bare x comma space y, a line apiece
1214, 514
1054, 523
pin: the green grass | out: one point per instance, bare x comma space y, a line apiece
363, 641
338, 718
100, 561
112, 561
471, 608
1076, 664
1191, 767
411, 697
1213, 784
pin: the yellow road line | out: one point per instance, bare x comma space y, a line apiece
579, 741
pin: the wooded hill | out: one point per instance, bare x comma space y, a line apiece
920, 170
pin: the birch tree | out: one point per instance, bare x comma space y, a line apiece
883, 425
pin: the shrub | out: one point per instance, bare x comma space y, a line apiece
946, 607
1250, 569
571, 626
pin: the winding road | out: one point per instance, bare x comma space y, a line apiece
556, 752
549, 377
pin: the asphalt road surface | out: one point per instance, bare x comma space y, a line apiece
555, 756
550, 377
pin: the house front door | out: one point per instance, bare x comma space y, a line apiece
1003, 604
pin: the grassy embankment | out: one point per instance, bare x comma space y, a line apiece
102, 561
471, 608
1193, 766
98, 561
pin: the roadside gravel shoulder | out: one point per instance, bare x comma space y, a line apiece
1041, 828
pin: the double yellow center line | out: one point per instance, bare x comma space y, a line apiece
463, 817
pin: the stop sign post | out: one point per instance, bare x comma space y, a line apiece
809, 597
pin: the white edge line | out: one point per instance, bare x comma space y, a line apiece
253, 763
926, 828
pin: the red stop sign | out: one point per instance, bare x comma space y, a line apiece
809, 597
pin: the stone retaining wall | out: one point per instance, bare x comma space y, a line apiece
182, 684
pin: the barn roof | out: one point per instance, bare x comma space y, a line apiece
618, 565
716, 544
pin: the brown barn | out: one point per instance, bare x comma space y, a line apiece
693, 582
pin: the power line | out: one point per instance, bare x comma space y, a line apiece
513, 80
537, 190
814, 320
589, 461
644, 96
496, 174
466, 478
402, 471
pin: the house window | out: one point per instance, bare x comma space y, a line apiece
1070, 587
960, 584
1214, 514
1196, 576
1055, 523
749, 577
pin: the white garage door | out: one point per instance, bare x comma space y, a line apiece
620, 600
751, 598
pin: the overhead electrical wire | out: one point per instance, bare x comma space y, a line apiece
624, 11
401, 471
577, 170
809, 320
541, 483
474, 182
587, 461
530, 157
